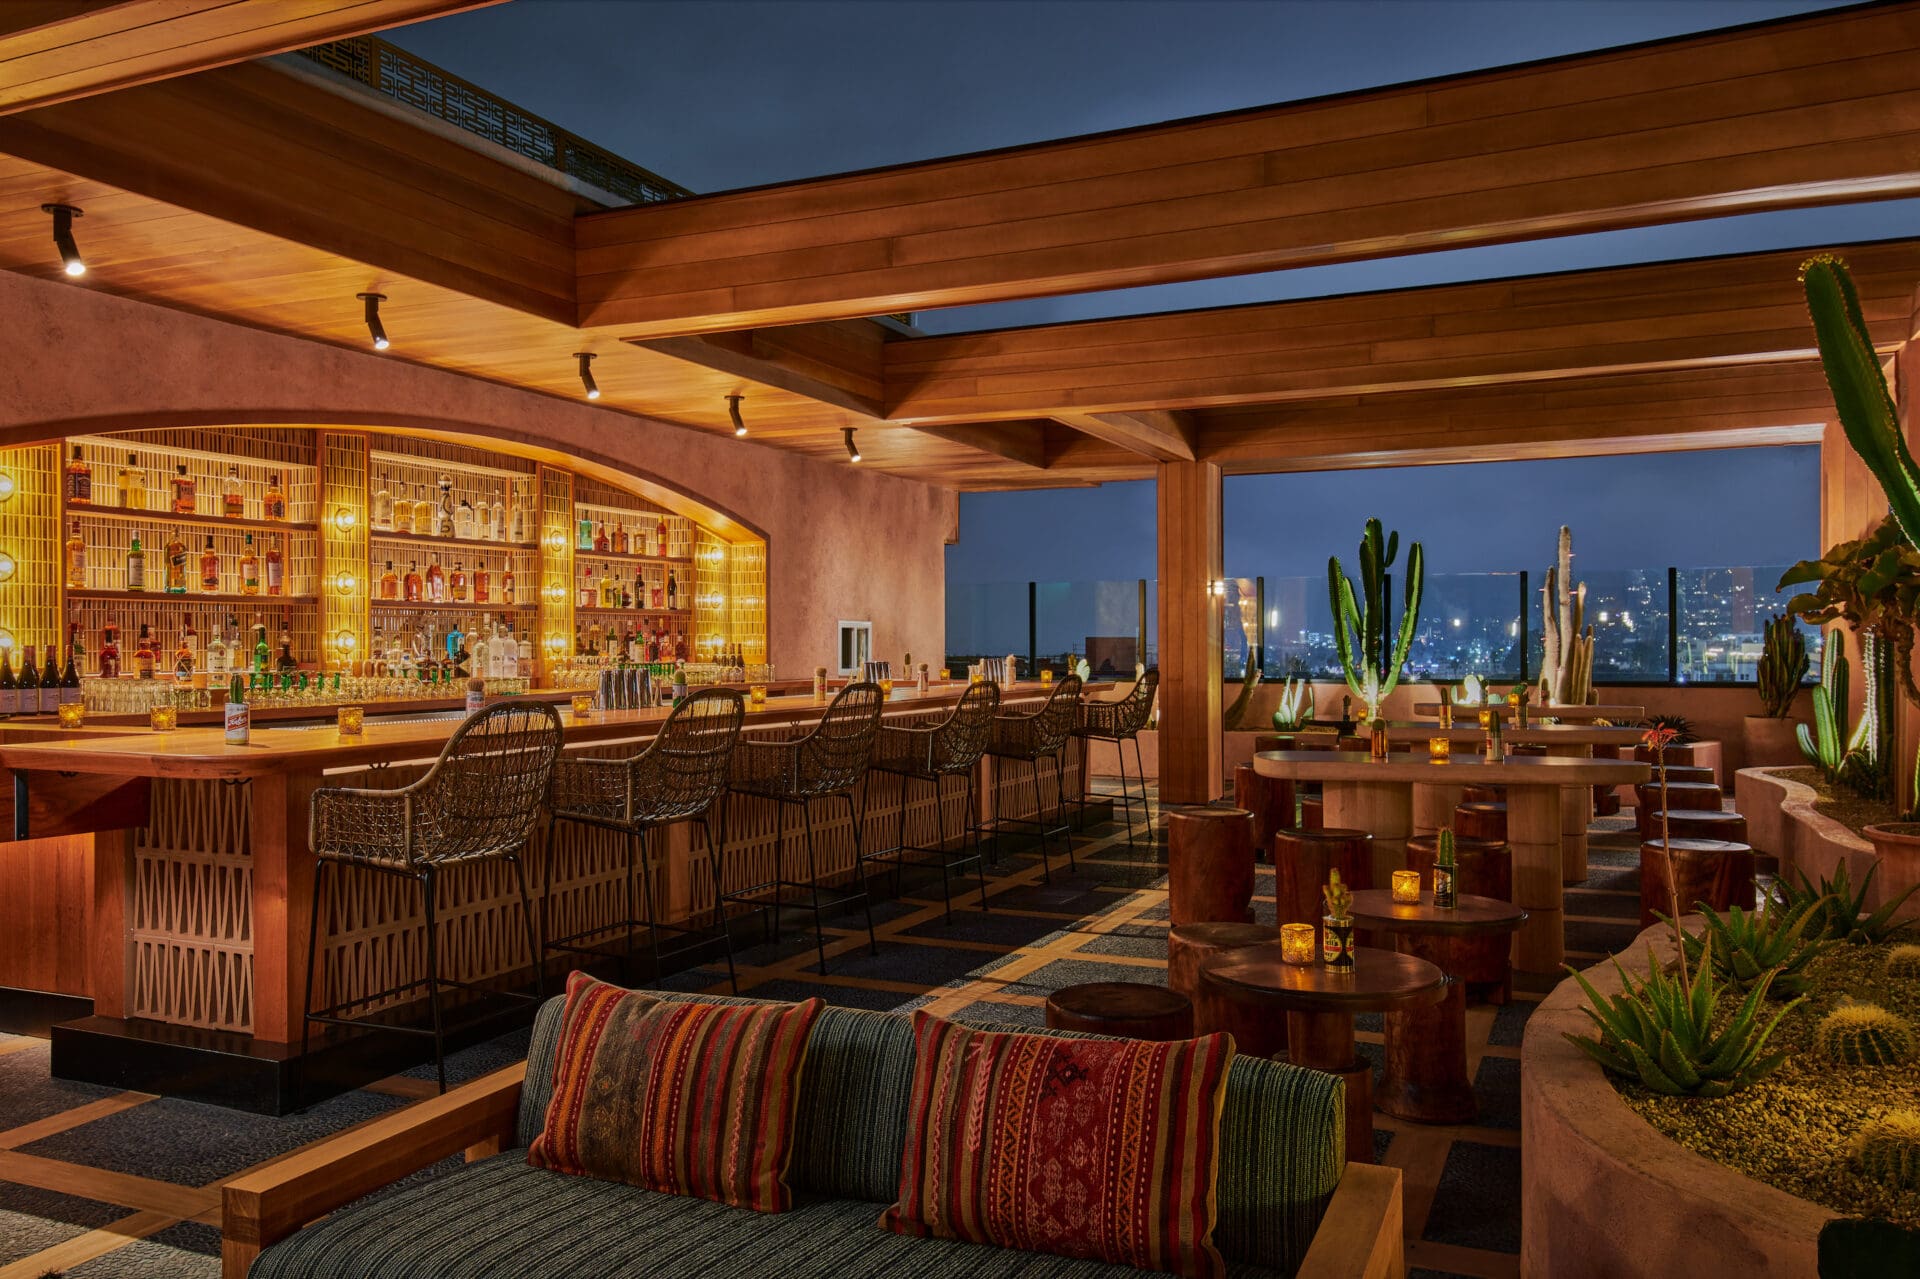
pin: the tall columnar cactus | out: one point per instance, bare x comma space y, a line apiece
1864, 1035
1360, 636
1783, 664
1825, 744
1887, 1149
1566, 668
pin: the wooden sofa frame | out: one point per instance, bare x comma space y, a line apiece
1360, 1237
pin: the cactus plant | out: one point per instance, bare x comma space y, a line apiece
1840, 912
1858, 1034
1338, 896
1291, 711
1566, 667
1903, 963
1825, 744
1360, 636
1662, 1033
1747, 946
1783, 665
1887, 1149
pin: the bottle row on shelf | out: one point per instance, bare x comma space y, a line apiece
249, 573
612, 591
477, 515
40, 687
440, 586
405, 648
647, 643
650, 541
134, 490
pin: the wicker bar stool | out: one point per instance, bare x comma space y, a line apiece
932, 753
1029, 737
478, 802
1120, 722
676, 778
828, 762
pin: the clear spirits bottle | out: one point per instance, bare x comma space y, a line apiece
233, 498
76, 559
383, 507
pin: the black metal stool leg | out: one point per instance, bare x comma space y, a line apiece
646, 880
533, 942
1146, 800
970, 825
546, 890
813, 884
866, 894
772, 916
900, 838
716, 859
940, 839
433, 982
1039, 818
1060, 807
632, 911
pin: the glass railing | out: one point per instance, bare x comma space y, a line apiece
1111, 623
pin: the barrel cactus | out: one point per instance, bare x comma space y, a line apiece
1887, 1149
1859, 1034
1903, 962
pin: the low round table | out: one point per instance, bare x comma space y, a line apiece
1319, 1003
1426, 1075
1130, 1009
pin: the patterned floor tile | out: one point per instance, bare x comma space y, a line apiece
32, 1219
1478, 1203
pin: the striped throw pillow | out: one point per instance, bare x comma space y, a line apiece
1097, 1148
684, 1098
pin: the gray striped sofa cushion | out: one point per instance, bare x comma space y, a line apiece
500, 1219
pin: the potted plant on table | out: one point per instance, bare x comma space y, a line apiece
1772, 737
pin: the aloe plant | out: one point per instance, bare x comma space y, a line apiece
1839, 912
1783, 665
1661, 1031
1747, 946
1359, 636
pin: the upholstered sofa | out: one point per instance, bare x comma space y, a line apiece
1287, 1205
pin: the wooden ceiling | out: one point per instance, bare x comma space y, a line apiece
268, 196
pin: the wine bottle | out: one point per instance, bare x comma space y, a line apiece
9, 687
50, 678
29, 686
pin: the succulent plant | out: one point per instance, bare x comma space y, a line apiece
1747, 946
1887, 1149
1839, 912
1291, 710
1856, 1034
1360, 636
1661, 1032
1903, 963
1339, 897
1826, 743
1783, 664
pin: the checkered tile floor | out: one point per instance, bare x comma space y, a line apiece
97, 1184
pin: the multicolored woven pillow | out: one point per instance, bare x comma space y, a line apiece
1097, 1148
683, 1098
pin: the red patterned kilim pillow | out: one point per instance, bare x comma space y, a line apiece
1094, 1148
683, 1098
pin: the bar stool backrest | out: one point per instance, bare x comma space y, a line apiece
686, 767
835, 755
484, 794
1138, 704
962, 737
1054, 722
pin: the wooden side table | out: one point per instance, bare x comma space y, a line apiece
1426, 1075
1319, 1004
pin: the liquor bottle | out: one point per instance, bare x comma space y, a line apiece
210, 568
464, 526
274, 507
9, 687
443, 511
589, 594
233, 498
133, 485
457, 582
382, 513
389, 583
436, 581
79, 480
287, 661
238, 719
50, 678
183, 490
594, 634
620, 539
185, 660
70, 676
660, 535
276, 566
260, 650
626, 596
583, 534
1445, 894
518, 527
76, 560
109, 651
609, 590
481, 652
249, 569
403, 514
579, 639
506, 583
414, 593
422, 511
27, 690
176, 564
143, 654
523, 658
217, 654
497, 519
673, 591
482, 584
136, 566
601, 542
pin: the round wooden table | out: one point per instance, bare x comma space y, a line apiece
1426, 1075
1319, 1003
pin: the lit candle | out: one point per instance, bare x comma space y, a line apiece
886, 686
757, 694
582, 705
71, 713
352, 720
1439, 749
945, 674
1046, 676
163, 719
1296, 943
1406, 885
1486, 718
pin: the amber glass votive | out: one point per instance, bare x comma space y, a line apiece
1046, 676
71, 714
1297, 943
757, 694
1406, 885
946, 674
886, 686
1440, 749
352, 720
164, 719
582, 705
1486, 718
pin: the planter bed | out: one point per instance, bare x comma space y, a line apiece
1784, 819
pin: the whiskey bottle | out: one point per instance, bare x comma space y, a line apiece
482, 584
382, 513
143, 654
389, 583
436, 581
109, 651
210, 568
276, 566
403, 514
76, 560
249, 569
183, 490
133, 485
176, 564
457, 582
601, 542
413, 584
422, 511
233, 498
274, 507
136, 566
79, 480
620, 539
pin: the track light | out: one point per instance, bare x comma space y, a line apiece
63, 216
586, 374
733, 411
853, 450
374, 327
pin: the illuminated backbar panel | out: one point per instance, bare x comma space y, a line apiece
30, 542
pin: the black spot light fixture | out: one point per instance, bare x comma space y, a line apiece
586, 374
853, 450
733, 411
376, 330
63, 216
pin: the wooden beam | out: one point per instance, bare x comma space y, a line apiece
1021, 442
1160, 434
805, 360
52, 53
1702, 313
1813, 110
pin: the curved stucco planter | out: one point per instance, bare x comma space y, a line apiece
1607, 1196
1782, 820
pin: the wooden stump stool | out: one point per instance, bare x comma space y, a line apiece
1704, 870
1129, 1009
1313, 814
1481, 819
1686, 773
1255, 1030
1694, 796
1482, 868
1301, 859
1209, 865
1483, 794
1270, 800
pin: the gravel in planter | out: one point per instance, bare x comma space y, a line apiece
1794, 1128
1838, 803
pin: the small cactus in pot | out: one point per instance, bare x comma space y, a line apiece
1336, 928
1859, 1034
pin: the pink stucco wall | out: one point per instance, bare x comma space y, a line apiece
842, 542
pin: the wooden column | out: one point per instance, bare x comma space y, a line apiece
1533, 835
1190, 561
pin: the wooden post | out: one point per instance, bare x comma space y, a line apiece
282, 903
1190, 560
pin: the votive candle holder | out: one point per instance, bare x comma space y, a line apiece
886, 686
1439, 749
582, 705
1297, 943
1486, 719
757, 694
164, 719
1406, 886
352, 720
946, 673
1046, 677
72, 714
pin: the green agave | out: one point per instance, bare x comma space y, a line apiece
1660, 1032
1838, 913
1747, 946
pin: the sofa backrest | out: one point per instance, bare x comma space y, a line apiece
1281, 1128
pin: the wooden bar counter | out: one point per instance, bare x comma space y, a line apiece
196, 914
